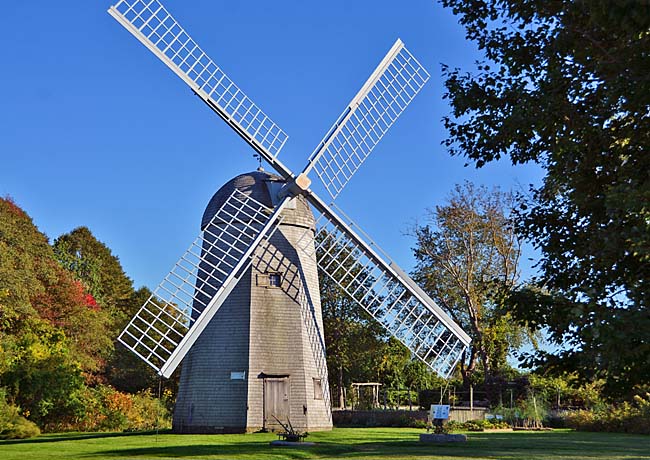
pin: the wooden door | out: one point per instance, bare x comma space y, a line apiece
276, 402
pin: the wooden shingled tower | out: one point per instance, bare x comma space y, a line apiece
262, 356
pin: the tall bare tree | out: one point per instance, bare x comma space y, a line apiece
467, 256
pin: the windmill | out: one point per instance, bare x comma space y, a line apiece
241, 308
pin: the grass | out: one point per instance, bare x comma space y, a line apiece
352, 443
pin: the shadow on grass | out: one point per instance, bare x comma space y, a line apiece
340, 443
76, 436
539, 446
262, 449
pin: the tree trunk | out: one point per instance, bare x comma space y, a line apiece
487, 364
341, 392
467, 372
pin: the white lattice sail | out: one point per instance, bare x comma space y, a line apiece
381, 100
151, 23
387, 294
188, 297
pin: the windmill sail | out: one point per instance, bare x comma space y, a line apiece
387, 293
151, 23
382, 99
167, 325
171, 320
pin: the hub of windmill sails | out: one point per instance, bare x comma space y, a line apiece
298, 186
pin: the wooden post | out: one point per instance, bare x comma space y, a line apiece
471, 400
410, 401
357, 398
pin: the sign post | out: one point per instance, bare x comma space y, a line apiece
439, 413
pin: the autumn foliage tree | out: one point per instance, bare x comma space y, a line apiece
53, 335
467, 256
94, 265
61, 308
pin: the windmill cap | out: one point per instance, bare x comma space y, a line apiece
259, 185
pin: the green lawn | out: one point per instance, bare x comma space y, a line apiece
353, 443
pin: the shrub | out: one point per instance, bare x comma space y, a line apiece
406, 421
12, 424
417, 423
477, 425
622, 418
106, 409
21, 428
410, 419
497, 424
453, 425
125, 412
148, 413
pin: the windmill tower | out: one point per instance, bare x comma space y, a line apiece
241, 307
262, 356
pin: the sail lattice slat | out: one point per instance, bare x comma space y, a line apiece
187, 291
151, 23
388, 295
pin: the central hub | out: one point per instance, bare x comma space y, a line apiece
303, 182
296, 187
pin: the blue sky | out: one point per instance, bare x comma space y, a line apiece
96, 131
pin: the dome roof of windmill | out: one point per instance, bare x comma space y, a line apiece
258, 185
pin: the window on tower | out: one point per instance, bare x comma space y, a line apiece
318, 388
275, 280
269, 280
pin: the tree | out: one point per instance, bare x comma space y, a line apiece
66, 305
566, 84
467, 257
44, 378
23, 252
56, 337
93, 263
36, 288
52, 332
